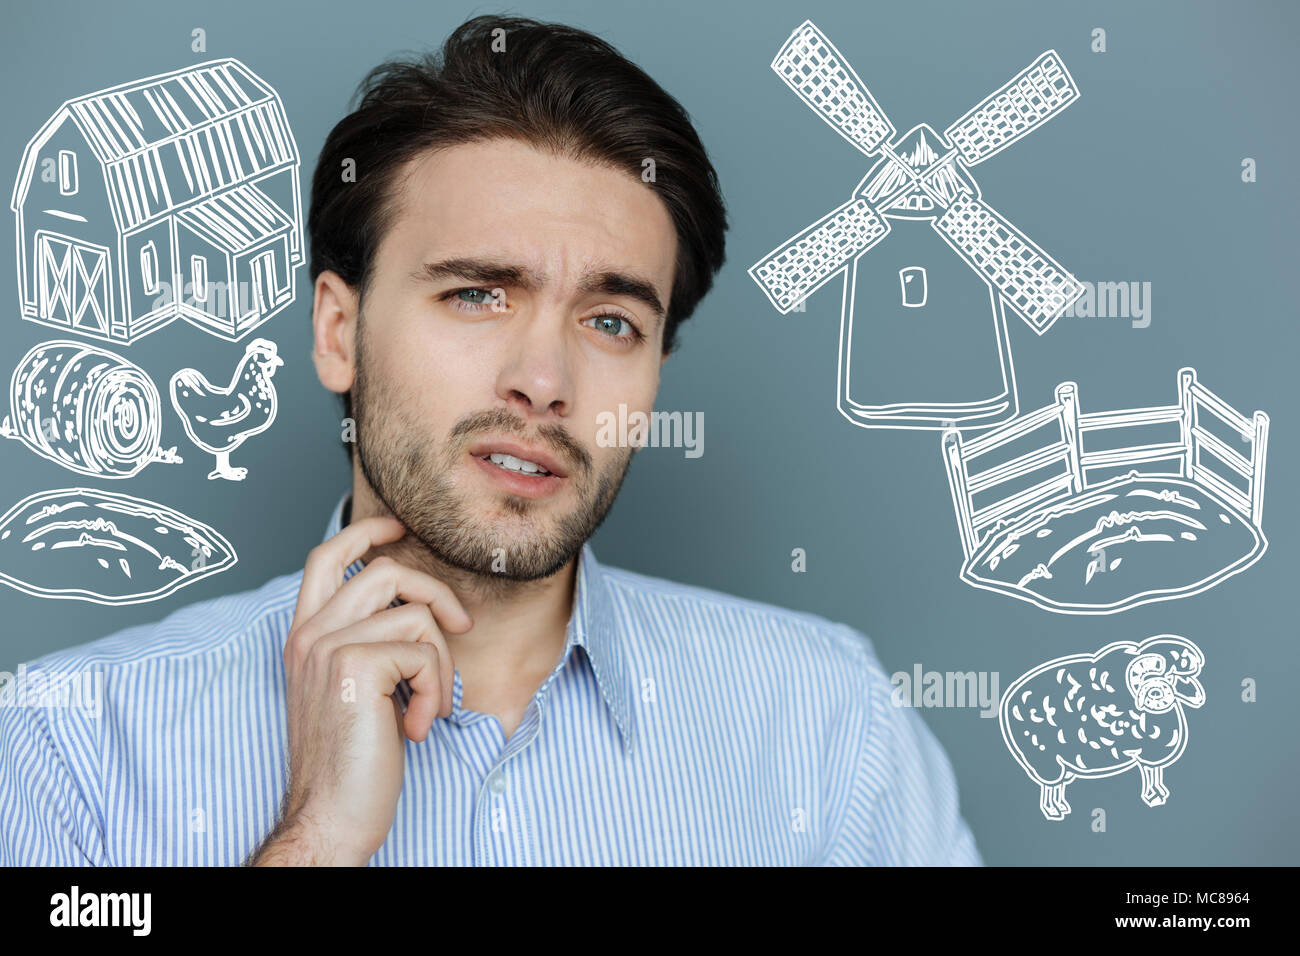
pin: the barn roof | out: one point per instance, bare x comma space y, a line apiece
170, 140
237, 219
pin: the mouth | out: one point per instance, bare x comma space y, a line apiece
518, 458
523, 471
1189, 691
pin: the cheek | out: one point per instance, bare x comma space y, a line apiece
644, 389
632, 381
431, 372
634, 390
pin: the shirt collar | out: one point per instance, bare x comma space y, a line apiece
591, 626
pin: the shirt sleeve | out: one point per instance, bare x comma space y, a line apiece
902, 802
45, 819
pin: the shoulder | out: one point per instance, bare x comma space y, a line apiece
221, 625
708, 626
68, 711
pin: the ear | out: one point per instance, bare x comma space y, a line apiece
334, 324
1156, 695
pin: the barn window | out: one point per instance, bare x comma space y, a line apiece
199, 277
67, 172
149, 268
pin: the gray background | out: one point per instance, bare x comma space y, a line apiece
1138, 180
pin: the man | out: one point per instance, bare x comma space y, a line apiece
453, 678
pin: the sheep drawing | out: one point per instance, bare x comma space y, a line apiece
1095, 715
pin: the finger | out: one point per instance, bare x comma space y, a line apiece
386, 664
326, 563
376, 587
410, 623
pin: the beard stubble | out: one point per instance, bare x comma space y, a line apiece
413, 477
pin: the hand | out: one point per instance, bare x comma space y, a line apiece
345, 655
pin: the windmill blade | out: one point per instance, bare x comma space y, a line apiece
1030, 280
1031, 98
812, 67
791, 272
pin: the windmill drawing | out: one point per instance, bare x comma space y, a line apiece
921, 194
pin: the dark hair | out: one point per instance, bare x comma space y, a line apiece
554, 87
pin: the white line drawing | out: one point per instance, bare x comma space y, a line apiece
1097, 715
918, 178
172, 196
914, 286
87, 409
1077, 546
106, 548
218, 420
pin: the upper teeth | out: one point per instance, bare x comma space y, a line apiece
517, 464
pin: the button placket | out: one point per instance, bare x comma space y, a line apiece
492, 797
503, 819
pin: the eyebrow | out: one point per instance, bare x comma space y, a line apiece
493, 272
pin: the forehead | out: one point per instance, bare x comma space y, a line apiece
511, 201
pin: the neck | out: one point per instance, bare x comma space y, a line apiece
519, 626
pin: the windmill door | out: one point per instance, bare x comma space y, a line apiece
74, 286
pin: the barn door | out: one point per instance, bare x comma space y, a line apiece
264, 292
73, 284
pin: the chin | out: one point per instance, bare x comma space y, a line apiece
512, 566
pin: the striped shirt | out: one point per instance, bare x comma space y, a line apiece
681, 726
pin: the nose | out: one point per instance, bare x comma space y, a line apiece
535, 377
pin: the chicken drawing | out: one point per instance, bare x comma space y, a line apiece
218, 420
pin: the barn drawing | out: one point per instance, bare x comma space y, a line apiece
172, 196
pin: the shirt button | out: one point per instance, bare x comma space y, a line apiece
497, 782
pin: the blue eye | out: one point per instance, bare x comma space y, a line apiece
476, 300
616, 327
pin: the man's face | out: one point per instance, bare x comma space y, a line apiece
506, 311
